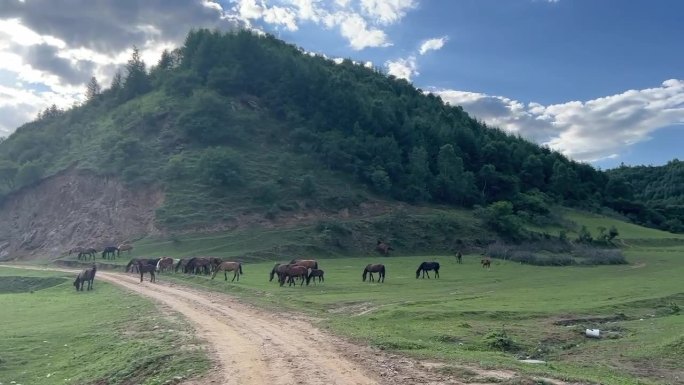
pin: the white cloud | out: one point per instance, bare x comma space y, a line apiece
403, 68
587, 131
358, 22
387, 11
432, 44
360, 36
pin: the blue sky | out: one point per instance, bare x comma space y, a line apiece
601, 81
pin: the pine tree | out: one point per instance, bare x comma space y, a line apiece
93, 89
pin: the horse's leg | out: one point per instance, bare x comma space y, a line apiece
436, 273
235, 275
141, 275
154, 277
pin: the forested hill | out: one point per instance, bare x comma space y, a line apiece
652, 194
240, 118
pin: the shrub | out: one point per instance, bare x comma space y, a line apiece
308, 186
501, 341
220, 168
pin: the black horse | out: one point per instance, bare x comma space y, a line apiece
146, 268
378, 268
425, 267
133, 263
110, 251
459, 257
313, 274
87, 275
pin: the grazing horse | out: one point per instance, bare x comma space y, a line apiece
425, 267
76, 250
315, 273
198, 265
383, 248
379, 268
164, 263
278, 269
133, 264
235, 267
486, 262
291, 272
124, 247
87, 275
110, 251
308, 263
215, 262
459, 257
181, 263
88, 253
147, 268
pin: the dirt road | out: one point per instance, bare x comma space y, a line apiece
252, 346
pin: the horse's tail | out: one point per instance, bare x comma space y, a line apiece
158, 262
240, 267
315, 265
365, 273
382, 269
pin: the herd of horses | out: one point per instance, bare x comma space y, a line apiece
108, 252
297, 270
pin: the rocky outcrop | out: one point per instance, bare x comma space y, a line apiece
74, 208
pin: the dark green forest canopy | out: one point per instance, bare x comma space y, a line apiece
198, 113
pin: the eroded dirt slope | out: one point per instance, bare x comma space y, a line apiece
74, 208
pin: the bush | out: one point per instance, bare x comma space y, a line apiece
220, 168
267, 192
501, 341
596, 256
499, 217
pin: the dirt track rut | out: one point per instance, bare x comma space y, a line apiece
253, 347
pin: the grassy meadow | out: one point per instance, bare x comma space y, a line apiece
492, 318
53, 335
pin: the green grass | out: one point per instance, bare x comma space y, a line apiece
106, 336
628, 231
451, 317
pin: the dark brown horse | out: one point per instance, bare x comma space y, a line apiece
181, 264
235, 267
110, 252
383, 248
486, 262
308, 263
379, 268
164, 264
425, 267
132, 265
278, 269
76, 250
147, 268
315, 273
459, 257
87, 275
292, 272
198, 265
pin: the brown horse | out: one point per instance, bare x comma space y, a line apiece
198, 265
308, 263
459, 257
124, 247
164, 264
278, 269
87, 275
235, 267
379, 268
315, 273
383, 248
147, 268
486, 262
292, 272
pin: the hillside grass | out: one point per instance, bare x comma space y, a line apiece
106, 336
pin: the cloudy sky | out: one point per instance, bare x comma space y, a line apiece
600, 81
